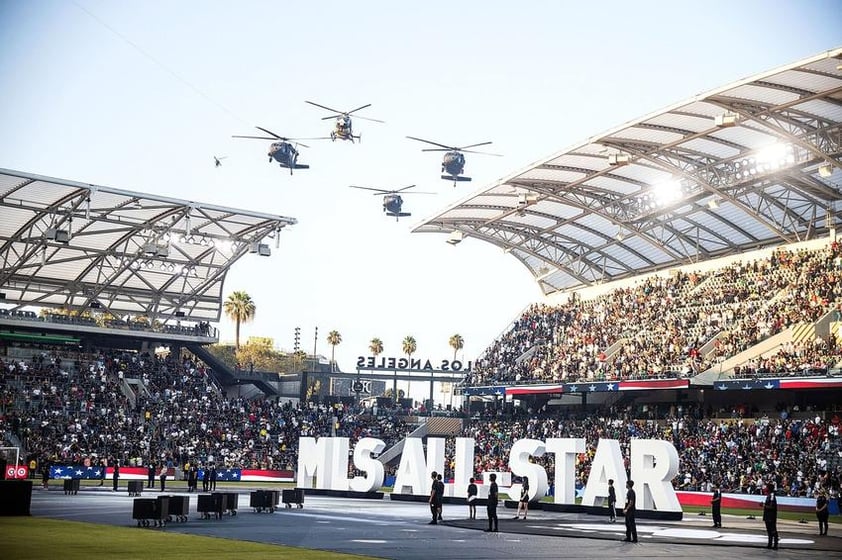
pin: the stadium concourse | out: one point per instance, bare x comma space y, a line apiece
708, 316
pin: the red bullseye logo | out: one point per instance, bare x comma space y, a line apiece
16, 472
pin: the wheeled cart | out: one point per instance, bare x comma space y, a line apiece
210, 505
179, 508
71, 486
264, 500
293, 496
150, 511
135, 487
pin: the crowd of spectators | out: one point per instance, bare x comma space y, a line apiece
674, 326
74, 408
738, 453
79, 411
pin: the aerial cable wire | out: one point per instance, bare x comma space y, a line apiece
157, 62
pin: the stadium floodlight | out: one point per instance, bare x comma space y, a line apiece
150, 249
825, 170
774, 156
726, 120
618, 159
712, 204
667, 192
264, 250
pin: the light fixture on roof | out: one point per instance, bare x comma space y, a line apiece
545, 272
618, 159
825, 170
150, 249
667, 192
455, 238
620, 236
57, 235
712, 204
726, 120
524, 200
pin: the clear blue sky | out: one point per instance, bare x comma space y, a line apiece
142, 95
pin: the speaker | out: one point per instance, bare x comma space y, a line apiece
15, 497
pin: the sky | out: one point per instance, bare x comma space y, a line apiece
142, 95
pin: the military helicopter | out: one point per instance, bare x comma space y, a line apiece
453, 162
217, 161
392, 201
342, 129
282, 151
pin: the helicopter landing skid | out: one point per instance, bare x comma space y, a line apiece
455, 178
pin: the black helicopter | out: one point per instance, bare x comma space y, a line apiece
453, 162
217, 161
343, 128
282, 151
392, 201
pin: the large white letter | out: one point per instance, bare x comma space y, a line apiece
607, 463
519, 464
315, 458
366, 463
463, 470
339, 460
565, 450
654, 463
415, 471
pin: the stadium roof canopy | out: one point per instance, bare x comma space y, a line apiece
752, 164
72, 245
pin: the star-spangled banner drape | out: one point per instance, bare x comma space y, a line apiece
75, 471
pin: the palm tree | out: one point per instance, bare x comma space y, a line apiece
375, 347
239, 307
409, 348
333, 338
457, 343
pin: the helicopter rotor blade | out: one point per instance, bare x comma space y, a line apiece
430, 142
436, 150
369, 119
357, 109
483, 153
256, 137
326, 108
377, 191
327, 118
270, 132
474, 146
403, 189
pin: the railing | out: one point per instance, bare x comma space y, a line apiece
202, 329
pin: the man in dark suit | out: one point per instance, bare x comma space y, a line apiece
434, 503
491, 508
770, 516
715, 506
116, 474
612, 502
212, 484
629, 511
150, 475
